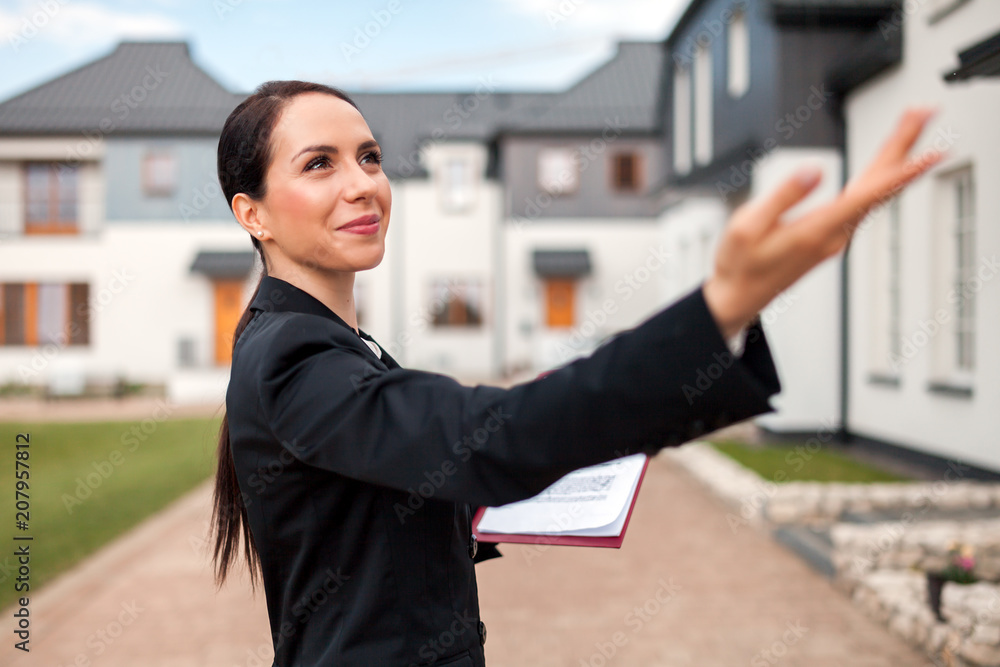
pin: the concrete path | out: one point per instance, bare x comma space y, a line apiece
683, 590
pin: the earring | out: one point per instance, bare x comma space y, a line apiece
260, 233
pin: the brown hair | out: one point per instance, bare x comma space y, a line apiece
244, 154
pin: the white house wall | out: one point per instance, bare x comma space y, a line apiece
73, 149
964, 427
143, 301
429, 241
625, 255
690, 230
803, 323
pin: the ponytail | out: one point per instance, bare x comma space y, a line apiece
229, 513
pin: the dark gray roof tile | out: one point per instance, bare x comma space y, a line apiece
141, 87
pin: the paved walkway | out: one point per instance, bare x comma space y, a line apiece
683, 590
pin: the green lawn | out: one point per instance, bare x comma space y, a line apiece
129, 469
801, 462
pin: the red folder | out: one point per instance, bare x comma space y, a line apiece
614, 541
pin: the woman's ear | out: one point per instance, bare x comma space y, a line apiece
247, 213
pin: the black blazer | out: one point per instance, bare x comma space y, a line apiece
360, 476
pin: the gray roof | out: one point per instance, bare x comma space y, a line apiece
811, 12
626, 87
155, 88
790, 11
835, 4
402, 122
623, 92
141, 87
223, 263
561, 263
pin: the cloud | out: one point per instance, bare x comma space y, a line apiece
84, 23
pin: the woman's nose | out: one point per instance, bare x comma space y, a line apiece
361, 184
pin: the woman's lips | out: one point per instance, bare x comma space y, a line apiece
365, 225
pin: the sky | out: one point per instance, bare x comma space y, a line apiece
368, 45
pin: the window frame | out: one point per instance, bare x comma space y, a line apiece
76, 321
54, 223
738, 54
683, 130
150, 187
441, 318
638, 172
569, 155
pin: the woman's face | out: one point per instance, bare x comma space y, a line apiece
327, 200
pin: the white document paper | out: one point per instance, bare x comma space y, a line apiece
592, 501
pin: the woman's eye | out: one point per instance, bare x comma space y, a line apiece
373, 157
317, 162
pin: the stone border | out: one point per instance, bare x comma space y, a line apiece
822, 503
882, 565
971, 636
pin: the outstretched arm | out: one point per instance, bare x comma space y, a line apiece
760, 255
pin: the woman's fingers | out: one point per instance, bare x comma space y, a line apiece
879, 188
892, 169
890, 172
909, 128
766, 213
759, 257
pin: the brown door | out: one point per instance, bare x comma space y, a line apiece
31, 313
228, 309
559, 302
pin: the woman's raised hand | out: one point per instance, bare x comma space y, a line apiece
759, 255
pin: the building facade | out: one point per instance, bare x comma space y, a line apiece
924, 278
528, 227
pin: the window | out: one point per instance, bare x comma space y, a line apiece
44, 313
626, 173
457, 303
703, 104
50, 198
187, 352
885, 307
457, 186
739, 55
682, 120
965, 268
894, 330
707, 254
557, 172
956, 283
159, 174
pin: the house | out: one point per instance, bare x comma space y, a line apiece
747, 102
120, 257
122, 260
528, 227
923, 272
515, 215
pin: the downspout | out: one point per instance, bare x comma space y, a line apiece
843, 432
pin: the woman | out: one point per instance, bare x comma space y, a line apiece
350, 480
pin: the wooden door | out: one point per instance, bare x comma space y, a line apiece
560, 307
228, 309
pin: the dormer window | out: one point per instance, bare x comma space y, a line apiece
159, 174
456, 186
51, 198
739, 55
626, 174
557, 171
